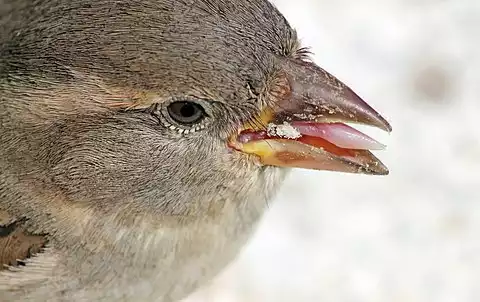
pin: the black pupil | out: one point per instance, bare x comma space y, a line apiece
186, 112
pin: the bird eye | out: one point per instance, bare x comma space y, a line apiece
186, 113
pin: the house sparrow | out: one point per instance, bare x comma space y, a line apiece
141, 140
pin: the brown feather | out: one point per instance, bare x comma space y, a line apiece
16, 244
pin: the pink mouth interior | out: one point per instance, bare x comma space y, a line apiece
337, 138
339, 134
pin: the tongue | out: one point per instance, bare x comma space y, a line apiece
338, 134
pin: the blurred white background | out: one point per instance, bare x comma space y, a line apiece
411, 236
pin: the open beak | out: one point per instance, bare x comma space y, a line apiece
305, 127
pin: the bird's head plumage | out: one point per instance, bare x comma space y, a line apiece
115, 110
170, 102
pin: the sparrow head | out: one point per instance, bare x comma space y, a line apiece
171, 105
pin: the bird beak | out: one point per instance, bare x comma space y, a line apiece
305, 125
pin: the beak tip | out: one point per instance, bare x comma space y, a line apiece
387, 127
380, 170
378, 121
385, 172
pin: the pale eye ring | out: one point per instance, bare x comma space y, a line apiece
183, 114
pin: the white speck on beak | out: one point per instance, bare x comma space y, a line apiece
285, 130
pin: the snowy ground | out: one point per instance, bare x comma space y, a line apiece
411, 236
